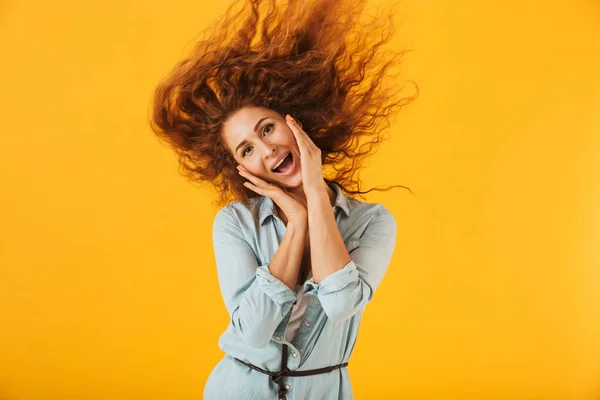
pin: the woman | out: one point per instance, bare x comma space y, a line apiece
297, 259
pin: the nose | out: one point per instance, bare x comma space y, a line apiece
268, 150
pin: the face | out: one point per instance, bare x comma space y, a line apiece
257, 138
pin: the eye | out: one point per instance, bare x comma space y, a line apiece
266, 126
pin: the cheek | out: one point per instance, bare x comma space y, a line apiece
290, 135
256, 168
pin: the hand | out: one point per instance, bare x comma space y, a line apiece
293, 205
310, 154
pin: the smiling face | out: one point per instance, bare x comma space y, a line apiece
258, 138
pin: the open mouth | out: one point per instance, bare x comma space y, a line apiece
287, 165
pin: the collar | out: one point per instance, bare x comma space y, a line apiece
267, 205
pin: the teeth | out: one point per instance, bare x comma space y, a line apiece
279, 163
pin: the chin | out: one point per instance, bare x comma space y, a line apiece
292, 182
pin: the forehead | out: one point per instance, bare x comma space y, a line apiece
240, 125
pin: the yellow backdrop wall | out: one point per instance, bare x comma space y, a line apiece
108, 286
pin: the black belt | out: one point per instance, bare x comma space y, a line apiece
278, 376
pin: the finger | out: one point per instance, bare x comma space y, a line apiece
300, 138
262, 187
254, 188
298, 131
254, 179
304, 145
272, 192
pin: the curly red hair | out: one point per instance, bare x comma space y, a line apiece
303, 63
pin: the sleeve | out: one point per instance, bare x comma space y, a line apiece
256, 300
343, 293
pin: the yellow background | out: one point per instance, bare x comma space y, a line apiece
108, 287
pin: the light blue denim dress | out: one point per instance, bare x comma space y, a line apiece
246, 235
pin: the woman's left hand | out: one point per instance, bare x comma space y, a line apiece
310, 154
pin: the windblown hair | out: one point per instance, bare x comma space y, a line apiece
311, 60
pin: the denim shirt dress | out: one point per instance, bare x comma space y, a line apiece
246, 235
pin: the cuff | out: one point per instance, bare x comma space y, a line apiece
333, 282
278, 291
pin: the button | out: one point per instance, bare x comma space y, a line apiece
288, 387
277, 337
294, 355
307, 323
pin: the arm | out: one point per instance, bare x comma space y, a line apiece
345, 282
257, 298
328, 253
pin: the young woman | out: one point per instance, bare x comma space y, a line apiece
297, 259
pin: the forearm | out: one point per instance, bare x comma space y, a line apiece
288, 257
328, 252
264, 304
347, 290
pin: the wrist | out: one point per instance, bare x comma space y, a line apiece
315, 186
298, 223
316, 193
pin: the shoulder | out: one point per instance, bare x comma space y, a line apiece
374, 226
239, 213
370, 212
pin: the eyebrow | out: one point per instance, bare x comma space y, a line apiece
255, 129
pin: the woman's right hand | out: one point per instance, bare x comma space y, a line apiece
291, 204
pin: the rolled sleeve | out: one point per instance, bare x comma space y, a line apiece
278, 291
343, 293
333, 282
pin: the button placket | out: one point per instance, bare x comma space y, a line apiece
293, 360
